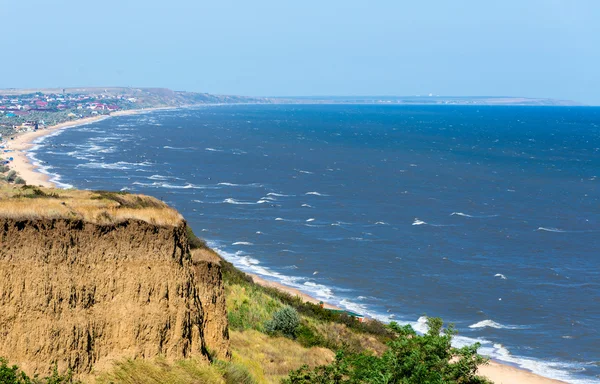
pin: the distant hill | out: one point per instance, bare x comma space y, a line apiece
147, 97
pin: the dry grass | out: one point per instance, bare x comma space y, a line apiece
160, 372
34, 203
270, 359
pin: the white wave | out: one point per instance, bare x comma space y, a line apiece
319, 290
125, 189
54, 178
500, 276
307, 206
493, 324
158, 184
241, 185
213, 150
157, 177
309, 220
551, 230
315, 194
237, 202
472, 216
278, 194
381, 223
178, 148
306, 172
242, 243
418, 222
120, 165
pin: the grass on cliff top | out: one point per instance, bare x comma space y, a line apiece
99, 207
159, 371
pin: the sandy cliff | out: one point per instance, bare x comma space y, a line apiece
82, 294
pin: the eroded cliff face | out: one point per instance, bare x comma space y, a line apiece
82, 295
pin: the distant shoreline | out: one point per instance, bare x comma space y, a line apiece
21, 143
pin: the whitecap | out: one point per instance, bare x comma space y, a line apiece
241, 185
493, 324
381, 223
237, 202
242, 243
472, 216
500, 276
315, 194
551, 230
278, 194
213, 150
418, 222
309, 220
307, 206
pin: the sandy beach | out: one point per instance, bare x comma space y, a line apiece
497, 372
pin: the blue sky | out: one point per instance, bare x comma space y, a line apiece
534, 48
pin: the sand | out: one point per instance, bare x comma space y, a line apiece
496, 372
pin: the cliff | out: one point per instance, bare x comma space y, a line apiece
87, 278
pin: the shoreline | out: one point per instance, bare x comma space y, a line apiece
498, 372
21, 143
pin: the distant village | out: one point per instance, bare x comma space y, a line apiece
36, 110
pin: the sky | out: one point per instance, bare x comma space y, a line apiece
528, 48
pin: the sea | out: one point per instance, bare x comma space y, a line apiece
485, 216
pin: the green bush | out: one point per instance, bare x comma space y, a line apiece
11, 175
3, 168
194, 241
286, 321
12, 375
19, 180
410, 359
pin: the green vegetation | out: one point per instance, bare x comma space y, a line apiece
194, 241
13, 375
11, 176
410, 359
285, 321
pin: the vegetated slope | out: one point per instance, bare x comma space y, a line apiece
88, 278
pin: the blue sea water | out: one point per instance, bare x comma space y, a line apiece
488, 217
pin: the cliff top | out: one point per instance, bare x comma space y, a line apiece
98, 207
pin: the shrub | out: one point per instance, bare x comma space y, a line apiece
238, 374
194, 241
19, 180
286, 321
11, 175
410, 359
12, 375
3, 168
